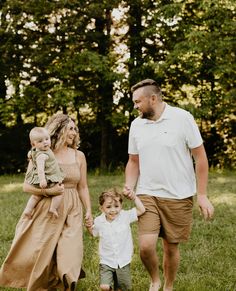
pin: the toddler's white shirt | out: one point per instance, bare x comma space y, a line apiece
115, 238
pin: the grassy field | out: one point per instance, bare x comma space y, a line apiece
208, 260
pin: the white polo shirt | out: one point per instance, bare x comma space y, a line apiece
163, 146
115, 238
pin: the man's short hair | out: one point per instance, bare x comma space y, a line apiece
144, 83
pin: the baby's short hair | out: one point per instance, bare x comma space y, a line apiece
110, 193
37, 132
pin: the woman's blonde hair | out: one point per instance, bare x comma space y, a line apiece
57, 127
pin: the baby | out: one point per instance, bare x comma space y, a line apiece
45, 171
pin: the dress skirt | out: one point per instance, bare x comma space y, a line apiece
47, 252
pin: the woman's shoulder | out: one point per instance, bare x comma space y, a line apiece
80, 156
79, 153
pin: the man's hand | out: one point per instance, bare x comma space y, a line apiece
205, 206
128, 193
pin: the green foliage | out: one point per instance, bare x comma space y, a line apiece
76, 57
207, 260
196, 41
14, 149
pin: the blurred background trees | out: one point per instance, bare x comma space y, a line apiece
82, 57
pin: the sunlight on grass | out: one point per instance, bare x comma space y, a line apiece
11, 187
227, 198
226, 179
221, 179
210, 251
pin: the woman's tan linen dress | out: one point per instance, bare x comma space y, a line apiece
47, 252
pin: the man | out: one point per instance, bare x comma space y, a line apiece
162, 142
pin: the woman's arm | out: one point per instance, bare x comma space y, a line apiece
83, 189
58, 189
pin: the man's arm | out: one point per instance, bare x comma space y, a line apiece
201, 170
139, 206
131, 176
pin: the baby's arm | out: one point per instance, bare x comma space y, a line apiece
40, 161
139, 206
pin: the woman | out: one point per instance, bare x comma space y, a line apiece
47, 252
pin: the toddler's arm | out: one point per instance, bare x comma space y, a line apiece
93, 228
90, 229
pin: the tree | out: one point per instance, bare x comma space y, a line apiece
200, 58
187, 46
77, 58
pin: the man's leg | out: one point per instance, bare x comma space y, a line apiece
147, 246
171, 258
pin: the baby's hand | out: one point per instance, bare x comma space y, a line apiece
43, 183
29, 155
57, 189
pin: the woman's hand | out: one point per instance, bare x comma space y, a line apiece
88, 219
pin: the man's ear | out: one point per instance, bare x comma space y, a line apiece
154, 98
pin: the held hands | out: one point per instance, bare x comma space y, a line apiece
205, 206
128, 192
88, 219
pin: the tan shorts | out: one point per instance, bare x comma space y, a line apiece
171, 219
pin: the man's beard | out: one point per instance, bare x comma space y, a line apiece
148, 114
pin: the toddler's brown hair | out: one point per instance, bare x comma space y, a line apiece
111, 193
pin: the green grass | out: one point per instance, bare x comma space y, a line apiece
208, 260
